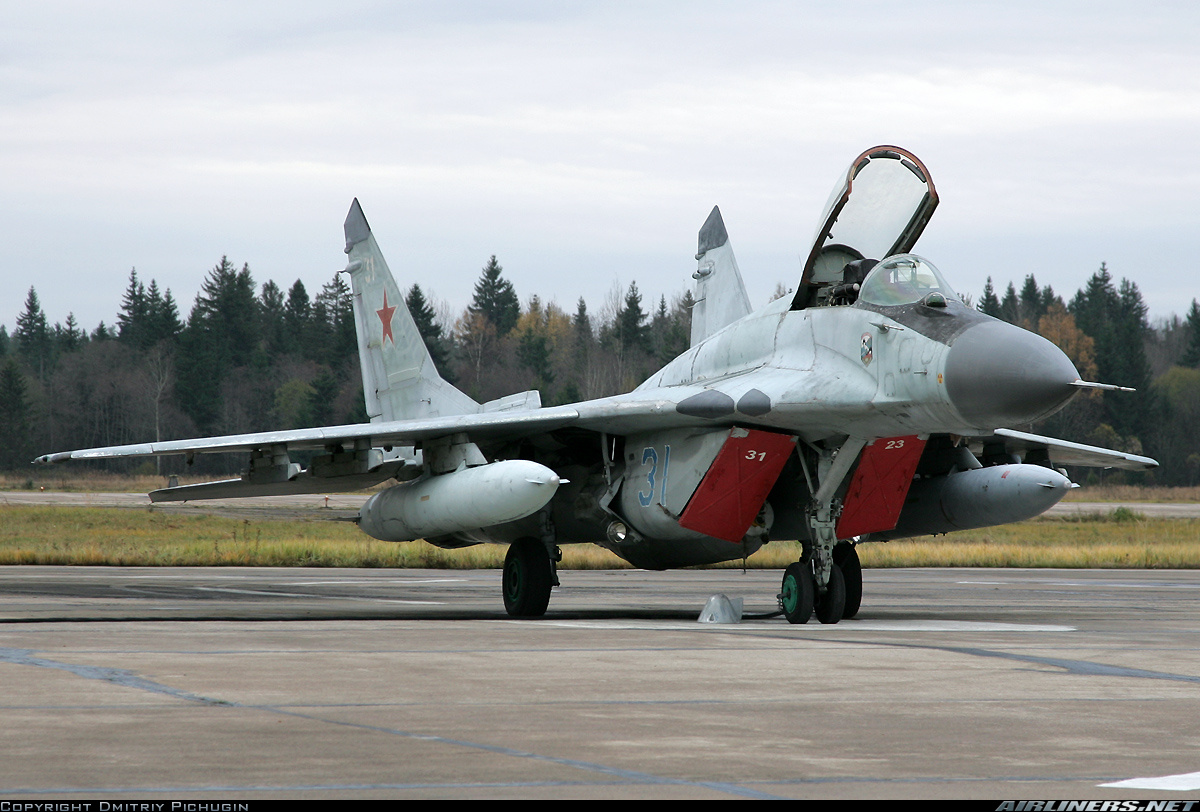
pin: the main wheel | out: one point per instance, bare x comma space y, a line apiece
796, 595
845, 555
832, 602
527, 578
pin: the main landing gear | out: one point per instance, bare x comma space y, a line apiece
830, 564
799, 597
529, 574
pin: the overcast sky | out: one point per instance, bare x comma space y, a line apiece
584, 143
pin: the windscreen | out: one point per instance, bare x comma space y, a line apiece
903, 279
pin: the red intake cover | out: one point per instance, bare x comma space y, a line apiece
737, 483
879, 486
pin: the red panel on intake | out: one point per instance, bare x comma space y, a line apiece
733, 491
879, 486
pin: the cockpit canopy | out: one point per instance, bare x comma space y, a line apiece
878, 208
905, 279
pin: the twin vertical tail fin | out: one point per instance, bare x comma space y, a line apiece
399, 379
720, 293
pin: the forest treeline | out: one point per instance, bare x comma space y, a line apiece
256, 358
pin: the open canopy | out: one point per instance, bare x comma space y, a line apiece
878, 208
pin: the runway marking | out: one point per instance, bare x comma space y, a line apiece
1083, 667
117, 676
318, 597
1184, 782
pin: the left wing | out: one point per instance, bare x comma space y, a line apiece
1034, 449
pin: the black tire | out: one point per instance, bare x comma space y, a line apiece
797, 593
845, 555
832, 602
527, 578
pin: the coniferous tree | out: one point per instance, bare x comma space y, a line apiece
33, 335
581, 325
335, 295
324, 395
1030, 304
429, 328
1191, 355
629, 329
496, 299
533, 349
1010, 305
660, 325
1116, 320
271, 319
319, 346
297, 312
162, 316
1094, 306
133, 318
1049, 300
679, 334
1131, 416
15, 418
989, 303
68, 337
221, 334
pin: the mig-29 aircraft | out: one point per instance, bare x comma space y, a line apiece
869, 404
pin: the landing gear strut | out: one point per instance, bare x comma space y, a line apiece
528, 577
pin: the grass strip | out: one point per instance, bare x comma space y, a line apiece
121, 537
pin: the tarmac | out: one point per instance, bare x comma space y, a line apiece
163, 683
127, 684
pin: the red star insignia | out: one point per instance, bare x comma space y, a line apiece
385, 317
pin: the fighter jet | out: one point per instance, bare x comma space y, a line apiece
870, 404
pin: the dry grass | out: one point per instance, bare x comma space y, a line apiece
1132, 493
70, 479
93, 536
121, 537
67, 479
73, 479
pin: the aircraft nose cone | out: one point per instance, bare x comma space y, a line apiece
1000, 375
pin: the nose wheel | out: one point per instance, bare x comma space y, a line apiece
797, 594
799, 597
832, 602
845, 555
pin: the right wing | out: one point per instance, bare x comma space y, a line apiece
357, 456
484, 426
361, 455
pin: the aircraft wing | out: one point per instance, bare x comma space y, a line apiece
483, 426
1035, 448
